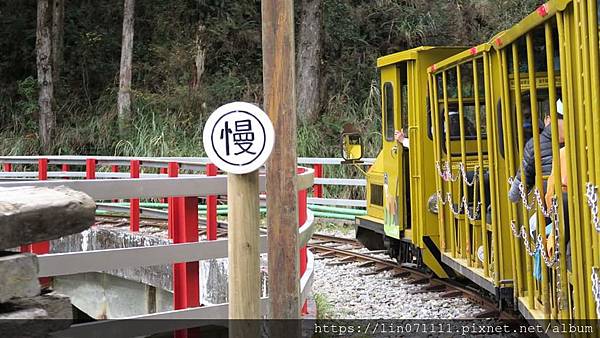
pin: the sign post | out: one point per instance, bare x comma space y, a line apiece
238, 138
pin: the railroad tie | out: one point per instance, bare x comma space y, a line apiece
401, 274
451, 294
336, 263
429, 288
348, 259
326, 254
422, 280
491, 313
366, 264
376, 270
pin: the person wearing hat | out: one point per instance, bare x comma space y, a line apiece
528, 165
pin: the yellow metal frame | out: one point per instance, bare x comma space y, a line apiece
568, 29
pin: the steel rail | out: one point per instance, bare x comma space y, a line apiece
418, 276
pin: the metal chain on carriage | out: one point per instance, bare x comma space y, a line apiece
445, 172
592, 200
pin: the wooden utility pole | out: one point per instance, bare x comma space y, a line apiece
124, 99
44, 73
243, 252
280, 104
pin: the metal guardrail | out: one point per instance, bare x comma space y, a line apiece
133, 188
185, 318
185, 163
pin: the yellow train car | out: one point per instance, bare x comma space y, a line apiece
463, 101
490, 163
399, 183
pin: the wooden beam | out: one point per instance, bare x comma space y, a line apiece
244, 251
280, 104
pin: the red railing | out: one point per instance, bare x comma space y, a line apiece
302, 217
182, 222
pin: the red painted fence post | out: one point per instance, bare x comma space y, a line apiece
40, 247
173, 210
134, 203
163, 171
186, 284
90, 169
65, 168
7, 167
318, 188
302, 216
115, 169
211, 207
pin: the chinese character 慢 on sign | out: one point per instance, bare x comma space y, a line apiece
238, 135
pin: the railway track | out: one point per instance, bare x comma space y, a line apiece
117, 221
345, 252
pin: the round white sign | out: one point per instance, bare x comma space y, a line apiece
238, 137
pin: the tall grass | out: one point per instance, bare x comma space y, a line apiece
170, 124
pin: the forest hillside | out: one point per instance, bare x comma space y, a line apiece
188, 57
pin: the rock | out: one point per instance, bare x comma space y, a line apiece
31, 214
35, 317
57, 306
18, 275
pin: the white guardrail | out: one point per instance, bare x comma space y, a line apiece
185, 163
109, 259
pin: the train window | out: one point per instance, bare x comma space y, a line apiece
376, 194
539, 52
468, 105
388, 106
543, 108
454, 118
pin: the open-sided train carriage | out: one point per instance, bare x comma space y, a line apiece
468, 118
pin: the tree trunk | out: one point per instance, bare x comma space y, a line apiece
124, 100
309, 60
44, 73
200, 58
58, 22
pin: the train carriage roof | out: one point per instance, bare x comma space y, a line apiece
537, 17
413, 54
459, 58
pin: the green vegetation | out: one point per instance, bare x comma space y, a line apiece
324, 308
342, 227
170, 105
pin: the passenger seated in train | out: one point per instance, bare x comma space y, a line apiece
545, 149
528, 164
